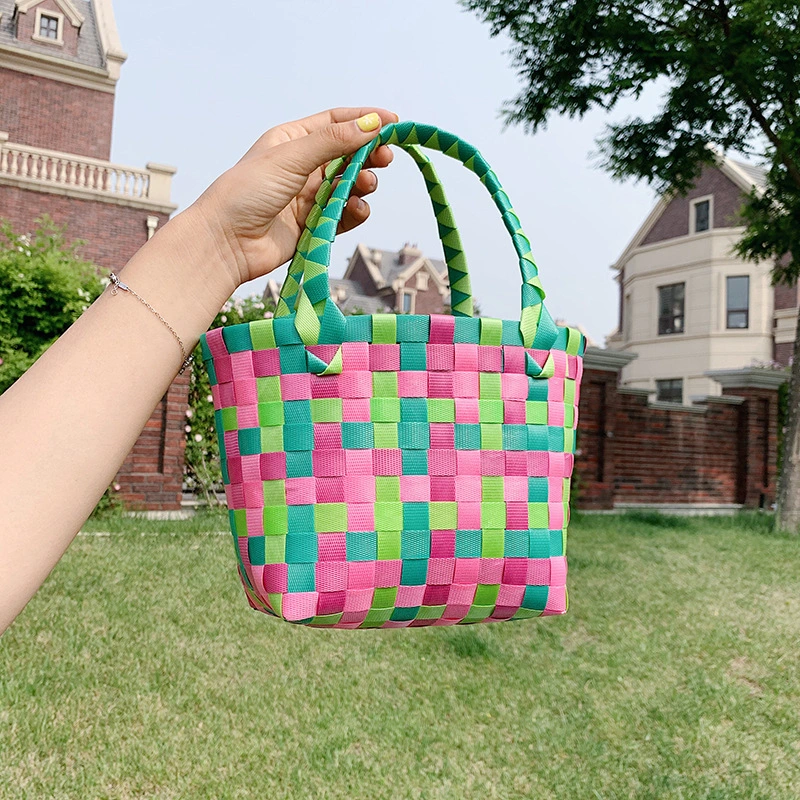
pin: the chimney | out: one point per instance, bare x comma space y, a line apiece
408, 254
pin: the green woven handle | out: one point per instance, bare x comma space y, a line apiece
319, 320
453, 251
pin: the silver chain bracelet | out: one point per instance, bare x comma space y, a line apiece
123, 287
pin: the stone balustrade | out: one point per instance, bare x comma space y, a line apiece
81, 176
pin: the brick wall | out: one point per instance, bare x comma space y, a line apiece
425, 302
783, 352
785, 296
41, 112
675, 456
151, 476
631, 451
112, 233
675, 219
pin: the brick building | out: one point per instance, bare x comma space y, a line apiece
60, 62
690, 305
376, 281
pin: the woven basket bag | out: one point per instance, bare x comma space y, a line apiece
393, 471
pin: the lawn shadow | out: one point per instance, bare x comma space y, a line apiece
469, 643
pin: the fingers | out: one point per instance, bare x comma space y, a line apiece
380, 157
355, 212
302, 156
366, 183
337, 115
290, 131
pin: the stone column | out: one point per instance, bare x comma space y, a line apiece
593, 483
160, 189
758, 430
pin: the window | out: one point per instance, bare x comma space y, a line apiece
407, 302
670, 308
738, 301
700, 214
670, 391
48, 27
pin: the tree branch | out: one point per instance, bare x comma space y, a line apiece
756, 112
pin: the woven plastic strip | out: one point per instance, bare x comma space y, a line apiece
461, 298
536, 325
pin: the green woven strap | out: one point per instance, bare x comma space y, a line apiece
458, 275
319, 320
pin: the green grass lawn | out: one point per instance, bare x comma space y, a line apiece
140, 671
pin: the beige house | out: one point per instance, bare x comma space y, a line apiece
688, 303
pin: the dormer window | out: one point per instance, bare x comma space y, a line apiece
48, 27
700, 215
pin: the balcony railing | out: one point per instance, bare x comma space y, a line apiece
85, 176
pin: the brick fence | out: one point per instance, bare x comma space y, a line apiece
151, 477
720, 452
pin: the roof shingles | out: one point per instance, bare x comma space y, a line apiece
90, 52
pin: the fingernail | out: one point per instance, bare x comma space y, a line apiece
369, 122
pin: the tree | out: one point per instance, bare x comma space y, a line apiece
44, 287
729, 72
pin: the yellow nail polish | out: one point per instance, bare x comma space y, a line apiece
369, 122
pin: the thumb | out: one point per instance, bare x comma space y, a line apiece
308, 153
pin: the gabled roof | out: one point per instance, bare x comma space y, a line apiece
72, 13
348, 296
753, 175
746, 176
385, 267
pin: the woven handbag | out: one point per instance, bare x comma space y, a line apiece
392, 471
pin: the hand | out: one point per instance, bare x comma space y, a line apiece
256, 210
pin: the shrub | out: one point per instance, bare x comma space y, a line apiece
44, 287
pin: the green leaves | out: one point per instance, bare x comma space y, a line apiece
728, 76
44, 287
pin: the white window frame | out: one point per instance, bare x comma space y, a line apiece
422, 280
693, 214
407, 293
671, 380
37, 26
748, 311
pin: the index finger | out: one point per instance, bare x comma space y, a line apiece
289, 131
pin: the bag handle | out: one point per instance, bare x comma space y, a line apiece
461, 303
319, 320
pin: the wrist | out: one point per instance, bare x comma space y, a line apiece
185, 273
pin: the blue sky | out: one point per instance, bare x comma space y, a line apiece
203, 80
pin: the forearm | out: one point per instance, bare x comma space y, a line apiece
78, 411
68, 423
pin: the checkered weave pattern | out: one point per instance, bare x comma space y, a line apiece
408, 471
